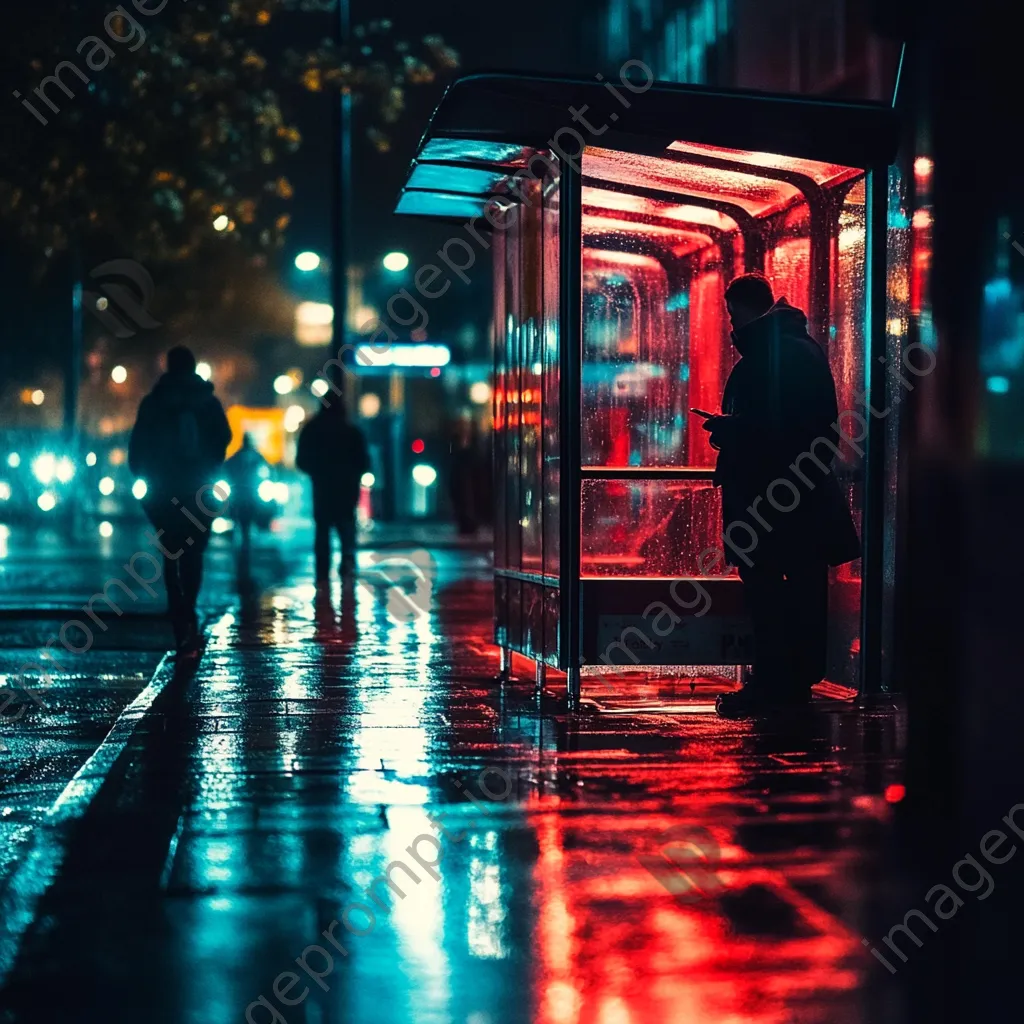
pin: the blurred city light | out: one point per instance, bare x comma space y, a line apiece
221, 525
266, 490
106, 529
435, 371
281, 492
107, 486
90, 459
307, 261
284, 385
46, 501
396, 262
14, 460
5, 491
118, 374
221, 223
222, 490
38, 396
423, 474
319, 388
139, 489
314, 323
44, 468
997, 385
418, 446
480, 392
293, 417
204, 370
65, 469
369, 405
368, 480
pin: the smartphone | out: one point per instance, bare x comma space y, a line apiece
705, 415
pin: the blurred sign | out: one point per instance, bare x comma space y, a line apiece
398, 356
266, 427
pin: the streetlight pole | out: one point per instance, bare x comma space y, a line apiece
342, 208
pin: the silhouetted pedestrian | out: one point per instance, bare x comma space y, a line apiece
785, 517
333, 452
245, 471
176, 447
465, 478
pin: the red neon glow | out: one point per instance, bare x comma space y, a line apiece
435, 371
820, 173
895, 793
418, 446
759, 196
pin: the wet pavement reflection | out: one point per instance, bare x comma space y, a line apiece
341, 816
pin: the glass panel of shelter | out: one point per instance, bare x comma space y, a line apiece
662, 238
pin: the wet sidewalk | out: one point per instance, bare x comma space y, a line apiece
341, 816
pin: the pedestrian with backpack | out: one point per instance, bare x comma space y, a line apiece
177, 446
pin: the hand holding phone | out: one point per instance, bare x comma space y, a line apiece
702, 413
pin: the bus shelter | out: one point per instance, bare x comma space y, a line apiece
615, 216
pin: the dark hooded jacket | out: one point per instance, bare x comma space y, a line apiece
779, 424
334, 454
180, 436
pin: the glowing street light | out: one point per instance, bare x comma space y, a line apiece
221, 223
204, 370
396, 262
307, 262
118, 374
284, 385
38, 397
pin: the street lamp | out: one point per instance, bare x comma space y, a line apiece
307, 262
396, 262
118, 374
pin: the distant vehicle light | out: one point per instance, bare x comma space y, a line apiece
46, 501
204, 370
293, 417
139, 489
90, 459
106, 529
107, 486
222, 490
266, 490
368, 480
5, 491
221, 525
424, 475
44, 468
396, 262
14, 460
284, 385
118, 374
65, 469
